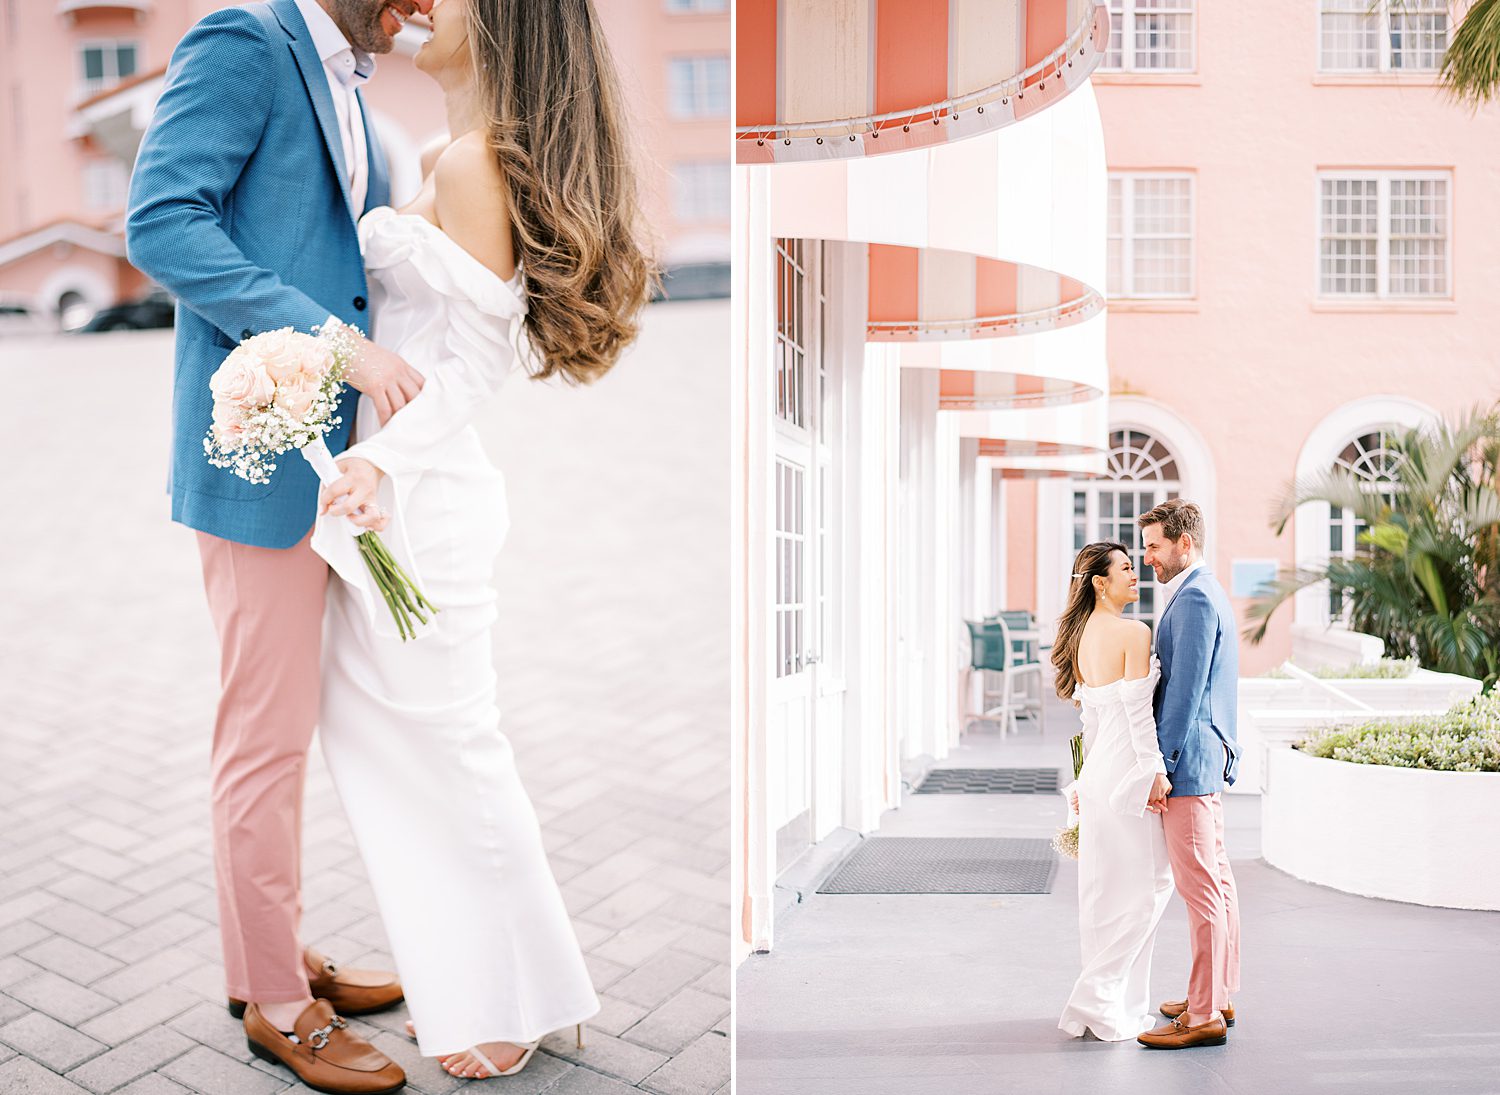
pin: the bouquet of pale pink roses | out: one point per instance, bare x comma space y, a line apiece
1065, 841
279, 391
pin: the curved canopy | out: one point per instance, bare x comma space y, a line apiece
1034, 439
840, 79
1033, 195
1051, 368
924, 294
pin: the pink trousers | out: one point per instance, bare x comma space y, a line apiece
1194, 826
267, 606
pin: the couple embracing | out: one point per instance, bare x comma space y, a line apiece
261, 199
1159, 748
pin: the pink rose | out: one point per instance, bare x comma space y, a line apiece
242, 381
317, 360
295, 394
281, 352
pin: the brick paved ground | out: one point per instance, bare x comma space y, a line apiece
612, 656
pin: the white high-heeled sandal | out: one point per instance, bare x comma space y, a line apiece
530, 1049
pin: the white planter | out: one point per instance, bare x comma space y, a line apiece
1315, 646
1276, 712
1403, 834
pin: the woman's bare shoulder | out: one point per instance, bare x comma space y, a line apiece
471, 200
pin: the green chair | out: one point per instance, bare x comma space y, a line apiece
1008, 666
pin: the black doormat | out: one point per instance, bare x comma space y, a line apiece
989, 781
902, 864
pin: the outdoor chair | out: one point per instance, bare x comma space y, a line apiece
1007, 667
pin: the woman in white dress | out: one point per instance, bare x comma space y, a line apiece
520, 250
1105, 663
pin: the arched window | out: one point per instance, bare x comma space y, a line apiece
1372, 457
1142, 473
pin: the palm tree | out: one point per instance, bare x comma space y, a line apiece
1426, 573
1471, 63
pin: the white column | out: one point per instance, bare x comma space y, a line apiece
754, 873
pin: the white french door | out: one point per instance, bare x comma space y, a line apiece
803, 547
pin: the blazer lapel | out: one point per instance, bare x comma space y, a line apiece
378, 191
315, 77
1189, 580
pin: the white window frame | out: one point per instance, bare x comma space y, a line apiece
699, 107
1383, 178
110, 50
1127, 10
1382, 45
1127, 235
106, 184
700, 191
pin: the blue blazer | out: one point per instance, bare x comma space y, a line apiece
239, 207
1197, 696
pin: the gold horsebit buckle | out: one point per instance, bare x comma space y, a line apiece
317, 1039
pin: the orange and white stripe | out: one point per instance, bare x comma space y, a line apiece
1071, 439
926, 294
839, 79
1033, 195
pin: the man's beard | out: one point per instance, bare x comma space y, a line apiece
362, 22
1165, 573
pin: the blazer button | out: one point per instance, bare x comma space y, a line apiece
359, 303
245, 334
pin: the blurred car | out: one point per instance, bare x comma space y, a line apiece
155, 309
18, 317
694, 281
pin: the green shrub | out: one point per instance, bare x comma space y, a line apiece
1386, 669
1465, 738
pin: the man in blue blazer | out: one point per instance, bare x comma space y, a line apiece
244, 203
1195, 706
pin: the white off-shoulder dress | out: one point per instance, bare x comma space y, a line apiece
1124, 877
411, 731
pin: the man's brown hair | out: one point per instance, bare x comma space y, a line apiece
1176, 516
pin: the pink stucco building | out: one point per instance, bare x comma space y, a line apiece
78, 81
1302, 244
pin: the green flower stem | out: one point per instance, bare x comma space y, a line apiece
401, 594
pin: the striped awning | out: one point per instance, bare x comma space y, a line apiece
1033, 195
1047, 369
1040, 440
927, 294
839, 79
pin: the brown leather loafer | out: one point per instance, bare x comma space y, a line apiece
1178, 1035
1173, 1008
324, 1053
350, 991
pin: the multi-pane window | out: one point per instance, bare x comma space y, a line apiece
1381, 35
1373, 458
105, 183
1150, 36
699, 86
1150, 244
1141, 474
104, 64
791, 563
700, 191
1383, 234
681, 7
791, 330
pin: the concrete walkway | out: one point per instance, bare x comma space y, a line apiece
612, 655
950, 995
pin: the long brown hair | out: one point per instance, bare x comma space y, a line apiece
1092, 562
556, 122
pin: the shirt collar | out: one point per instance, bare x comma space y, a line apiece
352, 66
1177, 583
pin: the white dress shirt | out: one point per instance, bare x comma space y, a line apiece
346, 68
1176, 583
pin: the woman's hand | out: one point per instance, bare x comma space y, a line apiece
353, 495
1074, 796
